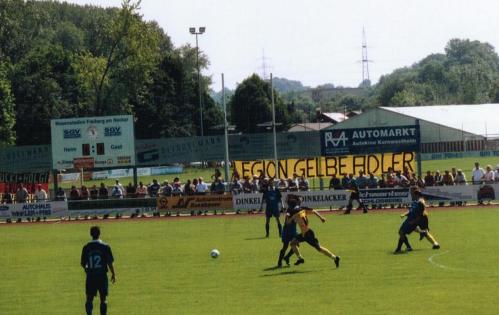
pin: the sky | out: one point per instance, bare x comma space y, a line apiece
318, 41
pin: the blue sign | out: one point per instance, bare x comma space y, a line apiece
370, 140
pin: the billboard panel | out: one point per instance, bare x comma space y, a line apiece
99, 141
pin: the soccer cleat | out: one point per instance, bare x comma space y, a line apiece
346, 212
398, 251
436, 246
409, 249
337, 261
279, 265
299, 261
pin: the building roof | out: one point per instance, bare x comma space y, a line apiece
309, 126
480, 119
335, 117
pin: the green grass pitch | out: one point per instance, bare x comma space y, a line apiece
164, 267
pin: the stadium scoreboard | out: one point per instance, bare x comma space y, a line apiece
93, 142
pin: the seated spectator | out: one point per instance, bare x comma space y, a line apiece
247, 189
429, 179
420, 182
438, 179
22, 194
74, 193
334, 182
141, 191
103, 192
219, 187
130, 190
94, 193
117, 192
390, 181
189, 188
361, 180
166, 189
413, 180
345, 182
7, 198
40, 194
447, 178
453, 172
460, 178
303, 183
372, 181
382, 181
201, 187
85, 194
60, 194
489, 175
153, 189
236, 187
282, 185
401, 180
292, 186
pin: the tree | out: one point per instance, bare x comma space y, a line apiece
7, 113
252, 104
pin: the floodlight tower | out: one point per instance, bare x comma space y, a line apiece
197, 32
365, 59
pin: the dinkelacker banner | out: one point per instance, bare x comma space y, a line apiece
329, 166
370, 140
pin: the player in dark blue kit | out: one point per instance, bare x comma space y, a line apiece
273, 199
96, 258
414, 217
289, 229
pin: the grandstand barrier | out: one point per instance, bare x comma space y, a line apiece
195, 203
111, 207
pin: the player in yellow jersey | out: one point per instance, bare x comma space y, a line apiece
307, 235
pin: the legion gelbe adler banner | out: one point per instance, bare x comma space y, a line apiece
95, 142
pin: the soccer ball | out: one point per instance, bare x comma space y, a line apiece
214, 253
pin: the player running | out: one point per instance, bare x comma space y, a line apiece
289, 229
355, 195
307, 235
273, 199
424, 229
96, 257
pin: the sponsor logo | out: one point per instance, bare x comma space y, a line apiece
72, 133
116, 147
335, 139
124, 159
69, 149
4, 208
112, 131
109, 161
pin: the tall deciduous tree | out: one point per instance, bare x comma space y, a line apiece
7, 113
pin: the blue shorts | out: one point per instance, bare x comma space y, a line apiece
288, 233
97, 283
269, 212
408, 226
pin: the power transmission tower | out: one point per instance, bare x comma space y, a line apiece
366, 80
264, 66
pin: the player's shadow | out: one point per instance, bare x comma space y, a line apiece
255, 238
285, 273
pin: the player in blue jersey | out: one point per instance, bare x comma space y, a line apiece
289, 229
96, 259
273, 199
414, 216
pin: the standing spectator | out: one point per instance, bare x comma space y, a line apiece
201, 187
85, 194
247, 186
130, 190
453, 172
117, 183
420, 182
235, 176
141, 191
177, 187
216, 175
7, 198
236, 187
413, 180
334, 182
60, 195
372, 181
40, 194
153, 189
390, 181
22, 194
74, 193
103, 192
401, 180
477, 175
94, 193
218, 187
282, 185
361, 180
345, 181
303, 184
460, 178
255, 185
166, 189
429, 179
292, 185
496, 174
382, 181
447, 179
489, 175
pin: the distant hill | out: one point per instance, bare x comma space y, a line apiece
285, 86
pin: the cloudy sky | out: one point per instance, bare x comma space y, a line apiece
318, 41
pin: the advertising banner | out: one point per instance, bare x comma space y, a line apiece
462, 192
49, 209
367, 140
195, 202
25, 158
384, 196
329, 166
99, 141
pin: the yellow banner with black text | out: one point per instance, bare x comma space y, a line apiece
328, 166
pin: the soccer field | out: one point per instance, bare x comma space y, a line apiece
164, 267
